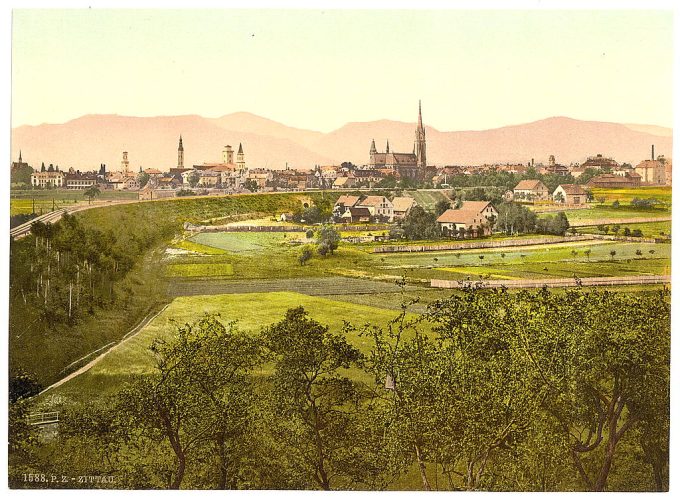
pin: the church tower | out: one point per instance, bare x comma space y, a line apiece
240, 158
180, 154
421, 160
125, 163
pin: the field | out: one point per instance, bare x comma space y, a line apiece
22, 201
624, 195
655, 229
251, 311
246, 242
199, 269
426, 199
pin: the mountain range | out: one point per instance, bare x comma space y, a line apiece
86, 142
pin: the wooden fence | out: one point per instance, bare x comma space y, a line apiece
482, 244
280, 228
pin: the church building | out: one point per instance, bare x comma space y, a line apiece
404, 165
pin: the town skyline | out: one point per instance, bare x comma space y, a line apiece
317, 70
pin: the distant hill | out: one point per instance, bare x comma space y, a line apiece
86, 142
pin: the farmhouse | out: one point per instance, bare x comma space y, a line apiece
570, 194
473, 219
379, 207
345, 182
356, 214
530, 190
401, 206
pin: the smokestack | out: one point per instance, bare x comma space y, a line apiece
652, 152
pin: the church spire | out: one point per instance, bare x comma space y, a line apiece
373, 150
421, 160
387, 148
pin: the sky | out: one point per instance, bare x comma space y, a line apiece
319, 69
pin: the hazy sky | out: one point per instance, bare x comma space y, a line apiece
320, 69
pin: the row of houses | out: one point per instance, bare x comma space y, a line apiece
535, 190
360, 209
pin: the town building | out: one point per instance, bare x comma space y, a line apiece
47, 178
600, 162
554, 168
569, 194
472, 219
611, 180
356, 215
75, 180
530, 190
180, 154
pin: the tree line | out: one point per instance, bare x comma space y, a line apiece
487, 390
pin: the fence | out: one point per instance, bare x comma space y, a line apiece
43, 418
280, 228
553, 283
482, 244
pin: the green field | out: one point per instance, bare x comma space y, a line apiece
199, 269
656, 229
39, 206
624, 195
246, 242
427, 199
251, 311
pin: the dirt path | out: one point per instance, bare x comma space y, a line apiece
142, 324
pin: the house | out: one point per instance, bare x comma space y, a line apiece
343, 203
531, 190
47, 178
80, 181
611, 180
652, 172
600, 162
401, 206
570, 194
554, 168
150, 193
472, 219
356, 214
379, 206
345, 182
286, 217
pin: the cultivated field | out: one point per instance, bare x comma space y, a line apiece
252, 311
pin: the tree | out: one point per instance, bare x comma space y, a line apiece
143, 178
92, 193
420, 224
515, 218
305, 255
612, 253
193, 179
638, 252
200, 393
559, 197
616, 229
587, 253
312, 410
616, 204
441, 206
327, 237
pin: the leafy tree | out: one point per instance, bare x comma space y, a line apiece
441, 206
616, 204
194, 178
143, 178
305, 255
612, 253
312, 408
515, 218
92, 193
616, 229
420, 224
199, 393
637, 233
327, 237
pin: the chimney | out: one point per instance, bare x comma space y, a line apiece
652, 152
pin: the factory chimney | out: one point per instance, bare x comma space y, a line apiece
652, 152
